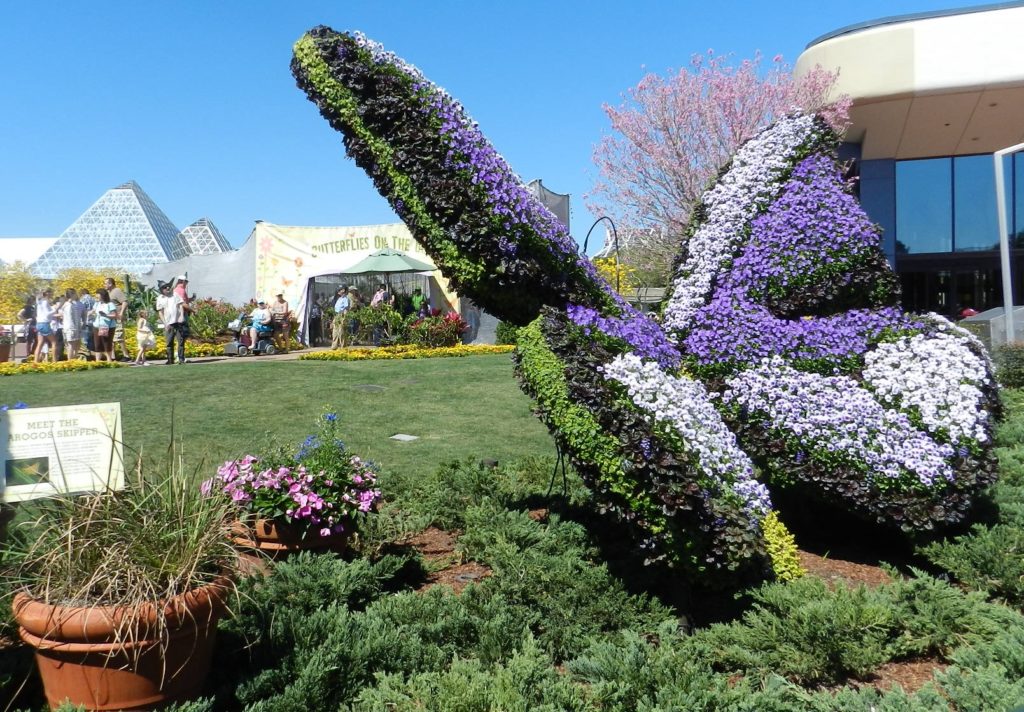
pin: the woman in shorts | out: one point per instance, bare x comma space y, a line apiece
46, 333
104, 321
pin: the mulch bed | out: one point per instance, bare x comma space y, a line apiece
849, 572
911, 675
437, 547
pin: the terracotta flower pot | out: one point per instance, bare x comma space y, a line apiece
277, 539
114, 658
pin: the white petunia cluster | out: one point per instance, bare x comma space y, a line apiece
683, 406
746, 188
936, 375
834, 414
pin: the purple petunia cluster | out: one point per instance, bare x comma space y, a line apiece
814, 231
638, 330
519, 211
749, 185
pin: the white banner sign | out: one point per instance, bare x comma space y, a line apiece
75, 448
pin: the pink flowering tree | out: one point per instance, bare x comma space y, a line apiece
673, 134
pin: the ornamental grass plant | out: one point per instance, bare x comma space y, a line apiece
133, 549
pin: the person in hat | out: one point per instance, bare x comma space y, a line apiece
172, 313
181, 290
261, 324
280, 317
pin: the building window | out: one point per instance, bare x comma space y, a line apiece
924, 206
974, 204
949, 204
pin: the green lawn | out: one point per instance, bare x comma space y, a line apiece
459, 407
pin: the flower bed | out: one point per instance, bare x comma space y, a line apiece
13, 369
404, 352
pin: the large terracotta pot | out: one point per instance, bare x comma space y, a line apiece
5, 352
277, 539
93, 658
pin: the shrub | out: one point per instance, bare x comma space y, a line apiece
436, 331
1010, 364
782, 328
782, 549
210, 318
81, 279
505, 333
381, 324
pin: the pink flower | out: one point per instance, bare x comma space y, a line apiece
326, 531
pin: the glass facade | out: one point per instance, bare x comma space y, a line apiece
124, 230
948, 204
924, 206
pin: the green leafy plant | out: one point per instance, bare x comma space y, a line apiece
380, 324
1009, 360
436, 330
505, 333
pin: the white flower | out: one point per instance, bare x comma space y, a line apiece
938, 377
683, 406
835, 414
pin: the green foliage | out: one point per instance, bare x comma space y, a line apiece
806, 632
505, 333
738, 666
781, 546
381, 324
209, 318
1009, 360
990, 557
528, 681
434, 331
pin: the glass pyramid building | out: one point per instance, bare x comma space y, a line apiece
201, 238
123, 231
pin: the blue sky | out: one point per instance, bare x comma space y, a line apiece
195, 100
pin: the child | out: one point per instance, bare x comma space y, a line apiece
144, 336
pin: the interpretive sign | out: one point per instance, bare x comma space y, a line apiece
46, 451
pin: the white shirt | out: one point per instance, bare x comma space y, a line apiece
71, 316
171, 308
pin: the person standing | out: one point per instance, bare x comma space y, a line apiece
172, 312
280, 317
316, 316
28, 317
340, 326
382, 297
71, 321
103, 325
120, 302
181, 290
44, 329
143, 337
87, 303
420, 306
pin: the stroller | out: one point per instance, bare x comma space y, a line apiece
241, 346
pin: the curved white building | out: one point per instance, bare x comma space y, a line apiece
934, 95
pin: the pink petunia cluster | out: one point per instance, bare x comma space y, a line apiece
323, 500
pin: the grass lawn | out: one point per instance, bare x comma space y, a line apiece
463, 407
